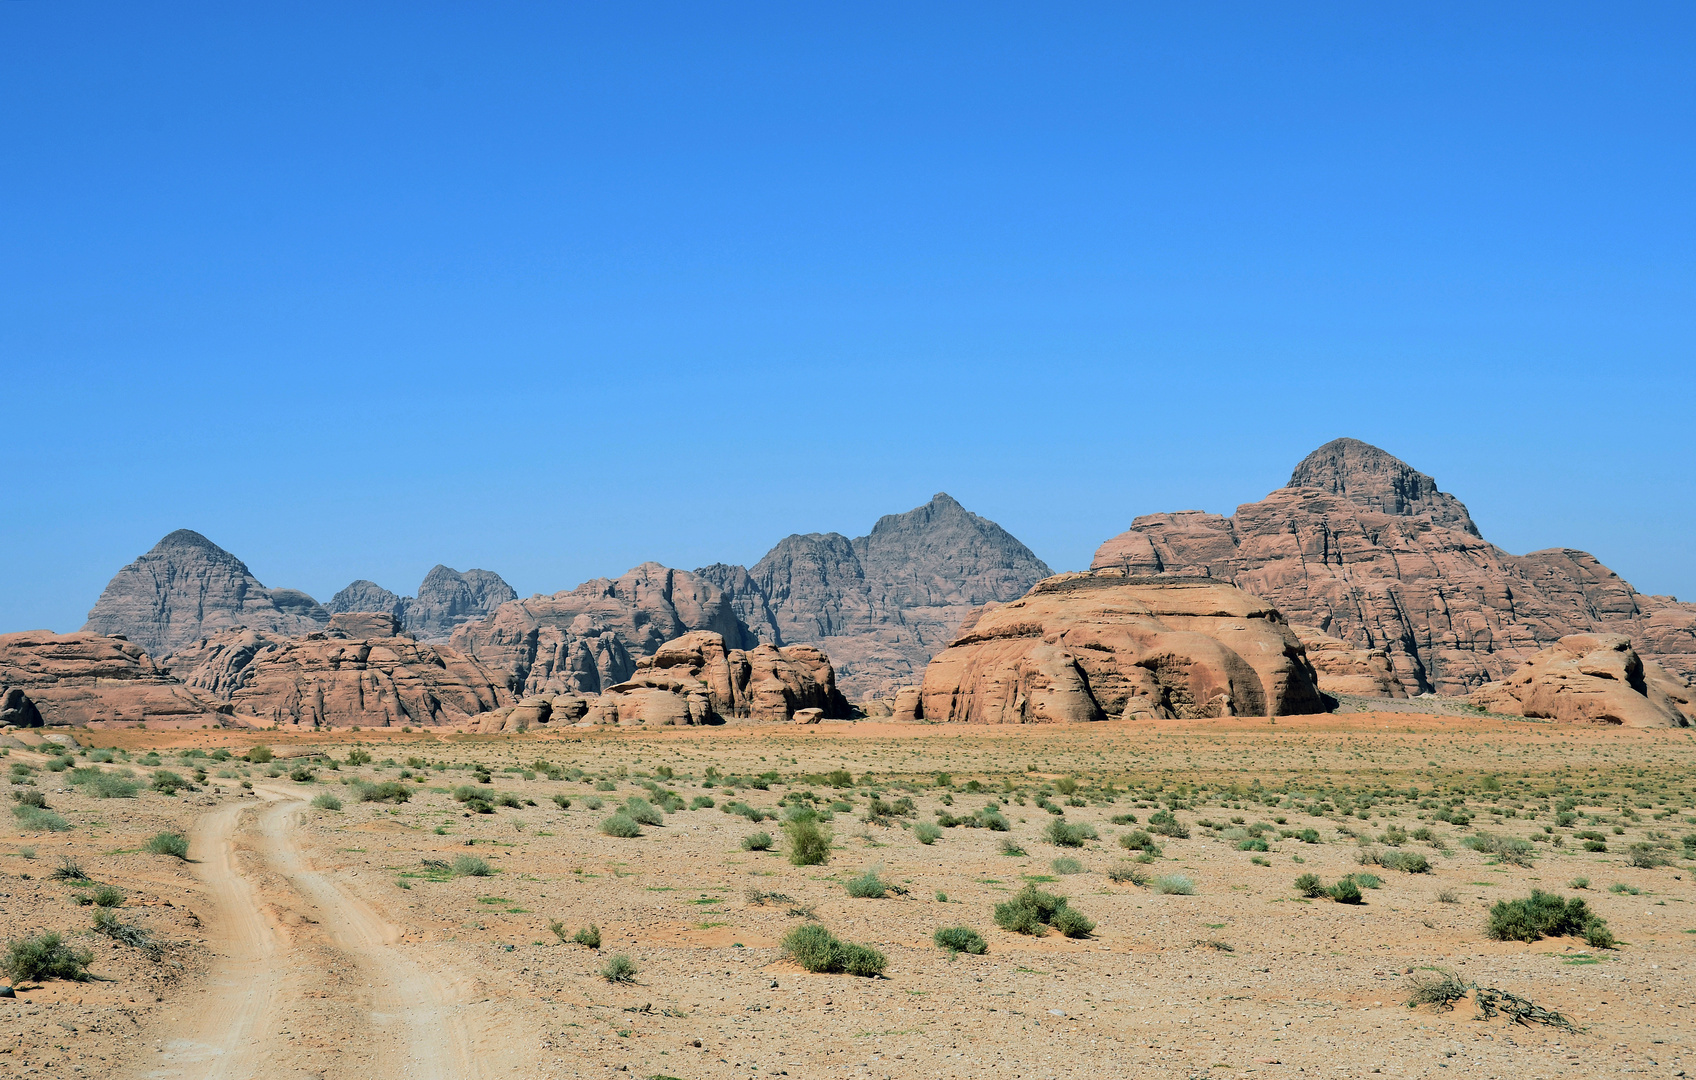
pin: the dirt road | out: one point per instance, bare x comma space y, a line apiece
311, 979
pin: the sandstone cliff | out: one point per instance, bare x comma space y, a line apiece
1592, 678
336, 679
84, 678
882, 604
1107, 646
1378, 557
186, 588
589, 638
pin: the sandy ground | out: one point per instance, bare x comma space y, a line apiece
316, 942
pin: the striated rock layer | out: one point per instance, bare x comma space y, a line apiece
882, 604
1592, 678
84, 678
337, 679
446, 600
1108, 646
590, 638
1375, 556
187, 588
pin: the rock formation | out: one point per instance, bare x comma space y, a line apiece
1344, 669
336, 679
882, 604
590, 638
84, 678
1376, 556
1592, 678
1106, 646
187, 588
694, 679
446, 600
17, 710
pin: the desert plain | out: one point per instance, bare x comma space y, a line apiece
428, 938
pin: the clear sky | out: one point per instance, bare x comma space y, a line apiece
554, 289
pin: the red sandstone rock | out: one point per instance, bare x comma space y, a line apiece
84, 678
1592, 678
1344, 669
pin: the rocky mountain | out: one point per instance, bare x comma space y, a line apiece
446, 600
1107, 646
187, 588
360, 671
1592, 678
589, 638
883, 604
1369, 551
84, 678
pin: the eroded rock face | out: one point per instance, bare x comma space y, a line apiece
1100, 646
882, 604
591, 637
1592, 678
1380, 559
365, 595
1344, 669
84, 678
187, 588
447, 599
332, 679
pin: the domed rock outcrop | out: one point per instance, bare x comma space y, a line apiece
1592, 678
1101, 646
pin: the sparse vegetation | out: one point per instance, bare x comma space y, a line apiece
1066, 834
818, 950
809, 842
1545, 915
44, 956
1127, 874
1032, 911
867, 886
1174, 885
926, 833
389, 791
108, 924
619, 968
470, 866
960, 939
169, 843
326, 801
621, 826
760, 841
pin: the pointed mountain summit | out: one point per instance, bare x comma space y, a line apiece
1365, 549
1366, 475
446, 600
187, 588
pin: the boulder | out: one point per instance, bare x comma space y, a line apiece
333, 679
84, 678
1592, 678
187, 588
1367, 550
694, 679
909, 704
17, 710
1081, 647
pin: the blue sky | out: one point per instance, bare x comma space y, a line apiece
550, 290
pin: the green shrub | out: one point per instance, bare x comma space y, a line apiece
809, 842
1647, 857
1138, 841
1345, 892
300, 774
1310, 886
926, 833
1537, 916
839, 778
1011, 847
1072, 923
960, 939
1123, 819
30, 797
1408, 862
1065, 834
355, 756
1166, 823
1030, 911
642, 812
1367, 881
169, 843
390, 791
1597, 935
326, 801
588, 936
1253, 843
35, 819
260, 754
471, 866
100, 784
701, 802
1066, 865
1174, 885
993, 820
760, 841
868, 886
1508, 849
619, 968
620, 825
44, 956
68, 870
108, 896
818, 950
166, 782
